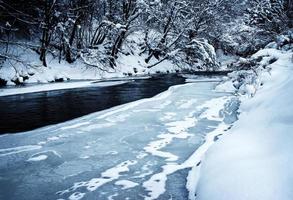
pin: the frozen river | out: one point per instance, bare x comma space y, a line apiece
147, 149
25, 112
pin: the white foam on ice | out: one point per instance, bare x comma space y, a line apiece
42, 143
112, 153
107, 176
177, 129
53, 138
111, 197
84, 157
97, 126
145, 170
163, 105
20, 149
168, 116
185, 104
180, 127
76, 196
117, 118
145, 110
42, 156
126, 184
156, 184
74, 126
38, 158
189, 80
155, 146
214, 106
141, 155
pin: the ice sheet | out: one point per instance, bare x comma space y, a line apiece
129, 151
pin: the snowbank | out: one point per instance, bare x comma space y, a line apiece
57, 86
254, 161
27, 68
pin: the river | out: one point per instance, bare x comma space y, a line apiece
25, 112
146, 149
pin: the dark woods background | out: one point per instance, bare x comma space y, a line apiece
78, 29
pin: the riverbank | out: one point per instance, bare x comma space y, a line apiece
32, 88
253, 161
104, 82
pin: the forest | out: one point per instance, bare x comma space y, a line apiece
97, 32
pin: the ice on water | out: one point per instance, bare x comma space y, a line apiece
142, 150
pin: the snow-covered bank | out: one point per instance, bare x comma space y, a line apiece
30, 69
57, 86
27, 67
254, 161
129, 67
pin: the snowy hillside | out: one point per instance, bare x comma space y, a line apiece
253, 161
28, 69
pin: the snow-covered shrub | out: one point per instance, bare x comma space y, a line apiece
244, 82
285, 41
251, 71
270, 15
237, 38
197, 55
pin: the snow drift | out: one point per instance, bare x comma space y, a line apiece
254, 160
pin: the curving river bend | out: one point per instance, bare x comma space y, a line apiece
147, 149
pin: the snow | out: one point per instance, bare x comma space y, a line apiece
204, 80
227, 86
254, 160
76, 196
57, 86
19, 149
187, 103
156, 185
126, 184
38, 158
196, 78
130, 66
106, 176
75, 125
225, 59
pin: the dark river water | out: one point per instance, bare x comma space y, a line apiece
26, 112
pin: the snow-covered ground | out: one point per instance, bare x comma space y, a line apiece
254, 160
131, 65
148, 149
76, 71
26, 66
